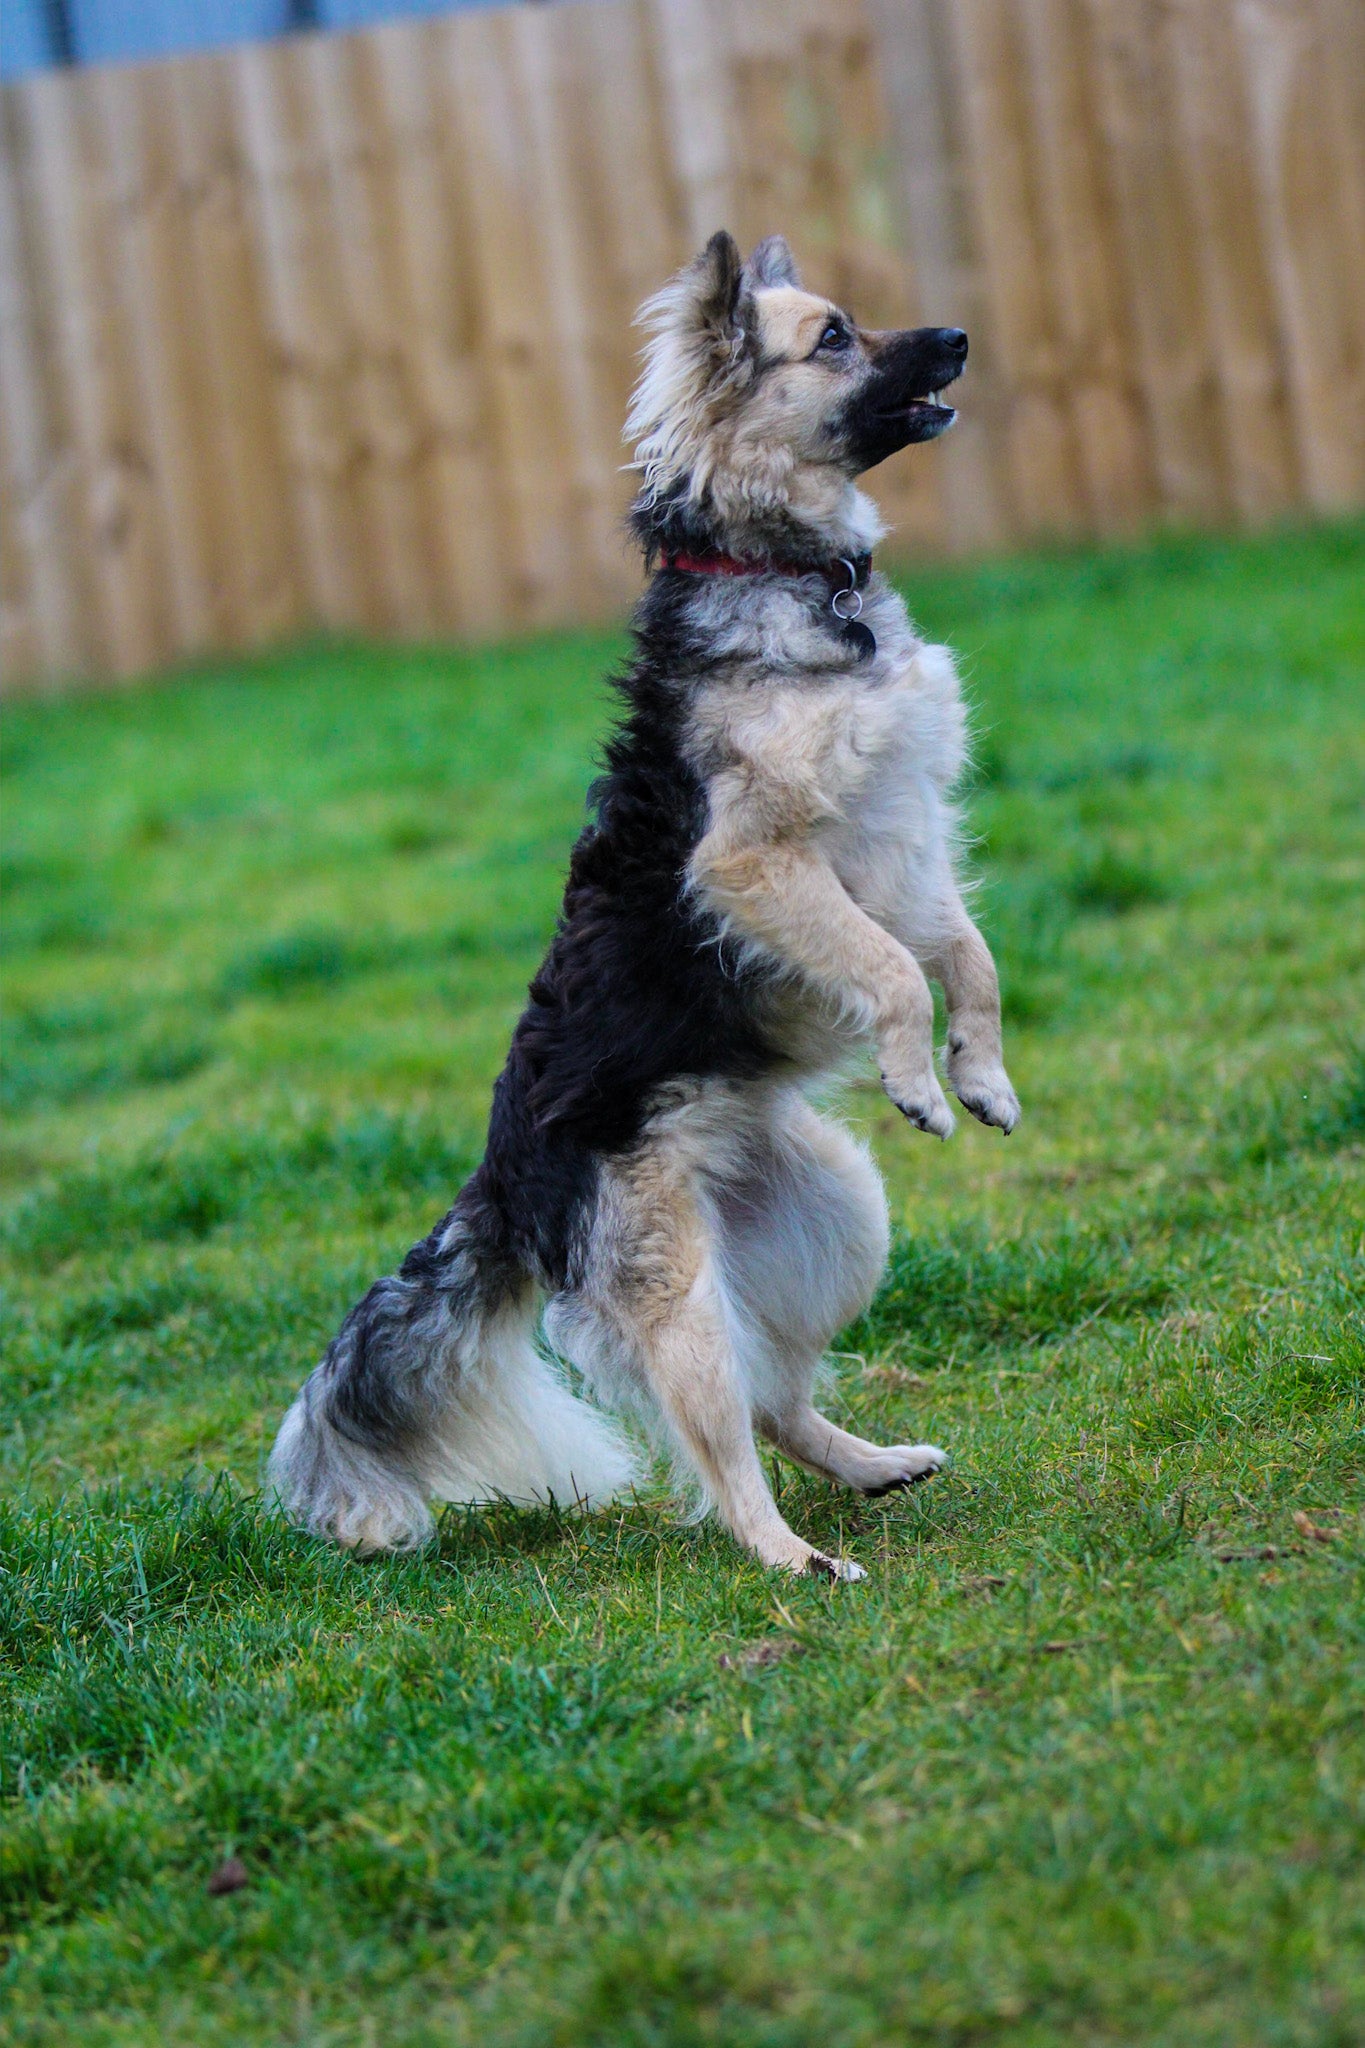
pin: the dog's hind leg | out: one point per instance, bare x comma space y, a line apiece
814, 1441
803, 1244
653, 1310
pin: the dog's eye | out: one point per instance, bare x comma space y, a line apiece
834, 336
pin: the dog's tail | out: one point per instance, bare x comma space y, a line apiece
433, 1389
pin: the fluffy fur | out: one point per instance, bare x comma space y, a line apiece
765, 885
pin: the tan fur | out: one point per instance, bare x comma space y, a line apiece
726, 1252
829, 848
791, 320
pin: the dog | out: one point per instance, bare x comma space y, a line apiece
766, 886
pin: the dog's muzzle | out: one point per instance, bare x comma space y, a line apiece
898, 401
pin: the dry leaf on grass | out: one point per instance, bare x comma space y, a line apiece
755, 1656
1187, 1322
895, 1376
228, 1877
1314, 1531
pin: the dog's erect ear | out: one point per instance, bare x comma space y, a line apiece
700, 355
772, 263
717, 276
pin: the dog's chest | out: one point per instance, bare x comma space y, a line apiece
886, 822
857, 763
891, 743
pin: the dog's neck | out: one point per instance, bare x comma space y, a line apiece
807, 531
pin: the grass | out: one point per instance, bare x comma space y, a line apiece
1082, 1762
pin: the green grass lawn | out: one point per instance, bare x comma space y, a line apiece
1083, 1761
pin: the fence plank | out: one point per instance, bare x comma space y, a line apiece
73, 216
1248, 358
557, 92
386, 430
1308, 185
463, 486
1039, 447
943, 242
517, 333
1166, 290
20, 648
306, 340
1081, 259
259, 585
38, 477
691, 44
633, 225
160, 316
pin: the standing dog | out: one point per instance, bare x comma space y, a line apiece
765, 886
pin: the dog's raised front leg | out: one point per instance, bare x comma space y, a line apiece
788, 899
976, 1064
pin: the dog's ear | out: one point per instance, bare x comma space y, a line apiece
717, 279
700, 355
772, 263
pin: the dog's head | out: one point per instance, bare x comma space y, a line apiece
760, 402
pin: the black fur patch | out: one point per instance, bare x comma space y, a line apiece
637, 989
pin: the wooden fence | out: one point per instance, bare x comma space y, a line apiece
335, 332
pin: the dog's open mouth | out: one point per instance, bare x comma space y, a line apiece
930, 413
927, 413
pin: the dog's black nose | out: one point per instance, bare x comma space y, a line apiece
954, 340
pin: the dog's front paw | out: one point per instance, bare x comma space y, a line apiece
983, 1088
922, 1103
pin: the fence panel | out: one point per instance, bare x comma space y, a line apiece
335, 332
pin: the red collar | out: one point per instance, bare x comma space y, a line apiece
727, 565
840, 575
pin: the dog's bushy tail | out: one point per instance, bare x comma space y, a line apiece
433, 1389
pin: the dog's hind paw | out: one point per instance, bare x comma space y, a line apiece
905, 1465
789, 1552
841, 1569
